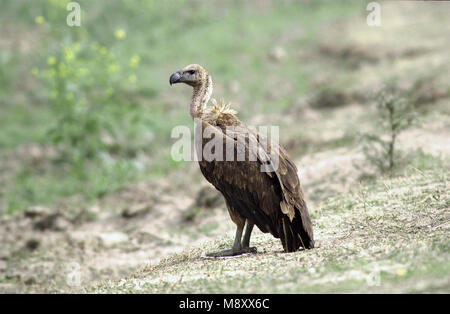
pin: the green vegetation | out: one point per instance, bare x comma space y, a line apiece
394, 115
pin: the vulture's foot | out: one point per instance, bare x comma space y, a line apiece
233, 252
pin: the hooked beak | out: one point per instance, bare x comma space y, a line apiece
176, 77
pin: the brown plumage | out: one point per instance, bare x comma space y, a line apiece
273, 201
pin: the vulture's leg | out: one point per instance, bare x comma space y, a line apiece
238, 246
236, 249
246, 239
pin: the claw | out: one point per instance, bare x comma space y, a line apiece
232, 252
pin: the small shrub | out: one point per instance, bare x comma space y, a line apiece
394, 114
86, 85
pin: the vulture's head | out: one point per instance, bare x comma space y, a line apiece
193, 75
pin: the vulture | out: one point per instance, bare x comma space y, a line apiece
272, 200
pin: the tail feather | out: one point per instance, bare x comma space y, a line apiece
293, 234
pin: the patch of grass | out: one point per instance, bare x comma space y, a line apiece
48, 187
207, 228
394, 239
20, 124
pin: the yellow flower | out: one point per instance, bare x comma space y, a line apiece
120, 34
51, 60
39, 19
401, 272
112, 68
68, 54
134, 61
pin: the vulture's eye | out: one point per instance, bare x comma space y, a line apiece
191, 72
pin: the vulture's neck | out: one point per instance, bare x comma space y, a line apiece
200, 97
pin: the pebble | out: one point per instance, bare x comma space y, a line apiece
5, 255
35, 211
135, 210
111, 239
3, 266
32, 244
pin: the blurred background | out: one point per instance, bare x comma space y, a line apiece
86, 115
